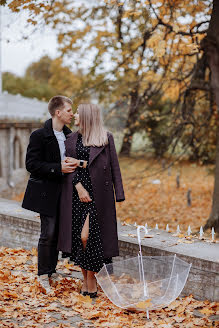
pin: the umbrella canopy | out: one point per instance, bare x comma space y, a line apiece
144, 282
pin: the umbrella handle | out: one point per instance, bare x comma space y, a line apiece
139, 235
141, 267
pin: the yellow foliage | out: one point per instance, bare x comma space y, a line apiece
136, 47
32, 21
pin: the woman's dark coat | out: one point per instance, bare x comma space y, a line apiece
105, 178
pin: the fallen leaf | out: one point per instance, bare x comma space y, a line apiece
206, 311
9, 295
144, 304
93, 314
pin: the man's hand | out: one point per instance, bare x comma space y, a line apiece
71, 160
68, 167
82, 193
75, 161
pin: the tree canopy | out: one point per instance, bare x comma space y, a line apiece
133, 51
158, 58
44, 79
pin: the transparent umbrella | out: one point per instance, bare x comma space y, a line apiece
144, 282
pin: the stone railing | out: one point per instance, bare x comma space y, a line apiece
21, 228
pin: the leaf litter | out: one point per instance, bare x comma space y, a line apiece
24, 304
164, 203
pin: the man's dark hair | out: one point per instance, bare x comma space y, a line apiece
57, 102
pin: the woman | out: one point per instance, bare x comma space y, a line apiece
88, 228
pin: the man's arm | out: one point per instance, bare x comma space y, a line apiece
35, 163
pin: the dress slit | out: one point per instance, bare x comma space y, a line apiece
87, 217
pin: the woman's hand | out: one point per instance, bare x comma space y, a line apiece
75, 161
82, 193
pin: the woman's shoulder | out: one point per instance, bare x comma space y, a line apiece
110, 136
71, 136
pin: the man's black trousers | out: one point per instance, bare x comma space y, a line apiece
47, 246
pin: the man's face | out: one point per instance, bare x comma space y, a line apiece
65, 115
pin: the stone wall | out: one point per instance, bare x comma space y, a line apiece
14, 141
21, 228
203, 281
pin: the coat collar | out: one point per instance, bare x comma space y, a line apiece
71, 144
94, 152
49, 130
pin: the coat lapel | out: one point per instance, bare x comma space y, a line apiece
94, 152
71, 147
70, 144
52, 142
66, 131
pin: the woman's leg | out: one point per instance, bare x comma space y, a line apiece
91, 282
84, 238
84, 285
85, 232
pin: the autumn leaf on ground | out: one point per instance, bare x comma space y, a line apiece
34, 251
207, 311
132, 235
144, 304
85, 299
93, 314
10, 295
164, 204
4, 275
23, 304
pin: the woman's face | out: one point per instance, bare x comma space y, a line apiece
76, 117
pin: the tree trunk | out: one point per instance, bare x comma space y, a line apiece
213, 220
130, 127
210, 45
126, 143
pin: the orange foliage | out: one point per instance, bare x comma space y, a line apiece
163, 203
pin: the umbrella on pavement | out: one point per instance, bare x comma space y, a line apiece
144, 282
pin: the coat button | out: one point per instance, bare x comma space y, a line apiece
104, 168
52, 170
107, 183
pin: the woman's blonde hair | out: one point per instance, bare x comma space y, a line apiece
91, 126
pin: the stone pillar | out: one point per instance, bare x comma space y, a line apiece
22, 144
1, 173
4, 153
11, 155
17, 152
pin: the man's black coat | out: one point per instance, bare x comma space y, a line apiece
43, 161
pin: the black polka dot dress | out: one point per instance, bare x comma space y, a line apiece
91, 258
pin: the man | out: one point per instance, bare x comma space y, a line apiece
45, 160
